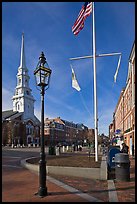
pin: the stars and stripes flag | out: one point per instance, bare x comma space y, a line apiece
83, 14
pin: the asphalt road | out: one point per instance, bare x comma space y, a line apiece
13, 175
20, 152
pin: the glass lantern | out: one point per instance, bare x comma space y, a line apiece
42, 72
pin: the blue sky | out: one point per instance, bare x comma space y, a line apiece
47, 27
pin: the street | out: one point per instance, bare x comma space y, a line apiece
12, 172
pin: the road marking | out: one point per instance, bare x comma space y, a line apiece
74, 190
6, 165
11, 157
112, 191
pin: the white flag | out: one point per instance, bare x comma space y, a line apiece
115, 76
75, 84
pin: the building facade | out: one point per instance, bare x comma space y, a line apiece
111, 131
58, 131
22, 114
124, 114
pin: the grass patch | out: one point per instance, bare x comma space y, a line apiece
70, 161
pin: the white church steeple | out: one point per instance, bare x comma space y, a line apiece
22, 59
23, 100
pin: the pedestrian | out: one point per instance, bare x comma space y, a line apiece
125, 148
121, 145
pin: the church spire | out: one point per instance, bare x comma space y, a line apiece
23, 100
22, 59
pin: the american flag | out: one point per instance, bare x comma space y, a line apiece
84, 12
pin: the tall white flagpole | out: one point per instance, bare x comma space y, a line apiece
95, 90
95, 83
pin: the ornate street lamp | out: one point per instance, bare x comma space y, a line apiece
42, 76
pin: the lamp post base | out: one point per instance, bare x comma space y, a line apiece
42, 192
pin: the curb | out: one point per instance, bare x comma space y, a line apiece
92, 173
77, 192
102, 176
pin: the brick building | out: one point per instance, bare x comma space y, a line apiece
124, 114
60, 131
111, 131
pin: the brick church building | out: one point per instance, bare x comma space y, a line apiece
20, 127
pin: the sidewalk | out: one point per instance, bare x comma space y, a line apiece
23, 185
107, 191
65, 188
126, 190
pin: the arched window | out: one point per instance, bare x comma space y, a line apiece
27, 129
37, 131
19, 81
32, 130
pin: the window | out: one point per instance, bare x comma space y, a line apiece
19, 81
37, 131
27, 129
17, 106
27, 92
129, 103
129, 122
32, 130
125, 124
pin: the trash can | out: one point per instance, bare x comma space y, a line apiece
122, 167
52, 150
111, 161
111, 157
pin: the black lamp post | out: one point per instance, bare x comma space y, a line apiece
42, 76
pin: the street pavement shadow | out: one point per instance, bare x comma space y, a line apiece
64, 193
